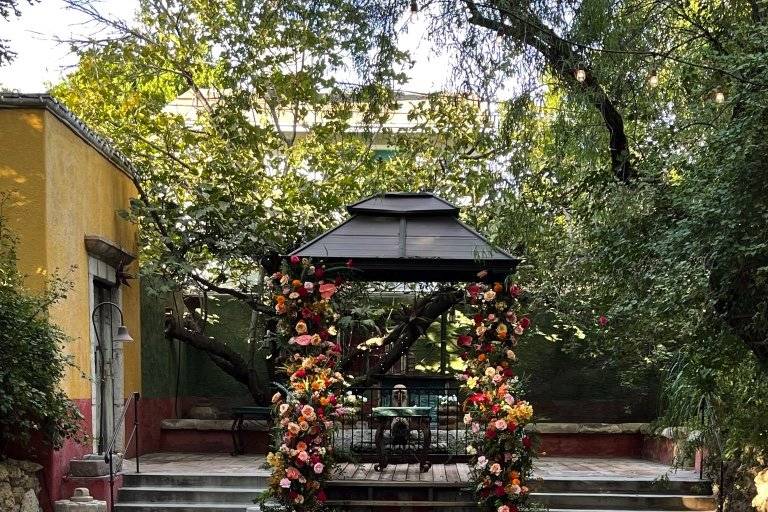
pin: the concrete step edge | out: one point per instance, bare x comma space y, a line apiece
193, 489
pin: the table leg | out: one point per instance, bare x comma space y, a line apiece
379, 440
424, 463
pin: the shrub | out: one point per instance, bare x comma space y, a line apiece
32, 362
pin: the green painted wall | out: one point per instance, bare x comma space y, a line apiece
562, 386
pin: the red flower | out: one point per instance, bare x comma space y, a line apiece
302, 292
500, 491
515, 291
477, 398
319, 272
321, 497
603, 320
300, 373
527, 442
478, 318
465, 340
295, 260
338, 280
350, 263
508, 372
490, 433
496, 408
473, 290
306, 313
525, 322
464, 356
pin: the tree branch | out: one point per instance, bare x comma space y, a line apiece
562, 59
405, 334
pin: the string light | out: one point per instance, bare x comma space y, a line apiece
653, 78
719, 96
581, 75
414, 11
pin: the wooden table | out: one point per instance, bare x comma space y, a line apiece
418, 419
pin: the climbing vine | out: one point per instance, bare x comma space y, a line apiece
495, 412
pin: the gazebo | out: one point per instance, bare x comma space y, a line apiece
409, 237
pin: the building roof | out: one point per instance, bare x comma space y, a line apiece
408, 236
63, 114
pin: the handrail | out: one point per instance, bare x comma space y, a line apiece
110, 452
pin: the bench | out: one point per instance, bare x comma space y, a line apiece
240, 415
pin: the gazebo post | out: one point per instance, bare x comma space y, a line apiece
443, 342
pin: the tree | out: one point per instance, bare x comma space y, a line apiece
32, 362
222, 193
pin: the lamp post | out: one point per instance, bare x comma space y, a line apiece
122, 336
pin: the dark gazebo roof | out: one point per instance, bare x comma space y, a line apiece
407, 236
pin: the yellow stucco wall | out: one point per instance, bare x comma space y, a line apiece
66, 190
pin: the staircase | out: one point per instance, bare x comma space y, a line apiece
557, 495
156, 492
162, 492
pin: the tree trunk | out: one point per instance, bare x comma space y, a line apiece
404, 335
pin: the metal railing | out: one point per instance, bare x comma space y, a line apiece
109, 454
355, 435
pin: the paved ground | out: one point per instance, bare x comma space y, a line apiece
546, 467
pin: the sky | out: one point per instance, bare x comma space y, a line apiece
42, 59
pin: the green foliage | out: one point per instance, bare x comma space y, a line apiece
32, 362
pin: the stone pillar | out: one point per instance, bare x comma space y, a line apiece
81, 501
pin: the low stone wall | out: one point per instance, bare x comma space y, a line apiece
19, 486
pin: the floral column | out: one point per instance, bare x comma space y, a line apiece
303, 456
495, 411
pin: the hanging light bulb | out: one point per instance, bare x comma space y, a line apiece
653, 78
581, 75
719, 96
414, 11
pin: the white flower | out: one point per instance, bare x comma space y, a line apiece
471, 450
467, 419
481, 462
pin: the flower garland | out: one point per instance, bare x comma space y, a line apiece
303, 455
494, 410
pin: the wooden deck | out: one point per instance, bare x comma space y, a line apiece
439, 475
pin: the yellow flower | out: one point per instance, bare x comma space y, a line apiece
301, 327
471, 382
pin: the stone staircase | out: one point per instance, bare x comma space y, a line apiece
162, 492
158, 492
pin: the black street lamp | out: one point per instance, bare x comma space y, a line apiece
122, 336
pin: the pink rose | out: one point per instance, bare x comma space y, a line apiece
303, 340
303, 456
327, 290
295, 260
285, 483
500, 425
503, 508
318, 467
292, 473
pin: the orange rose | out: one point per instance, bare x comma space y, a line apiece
481, 357
280, 299
296, 283
497, 287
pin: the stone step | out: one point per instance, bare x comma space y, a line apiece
623, 501
254, 480
218, 495
182, 507
622, 485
